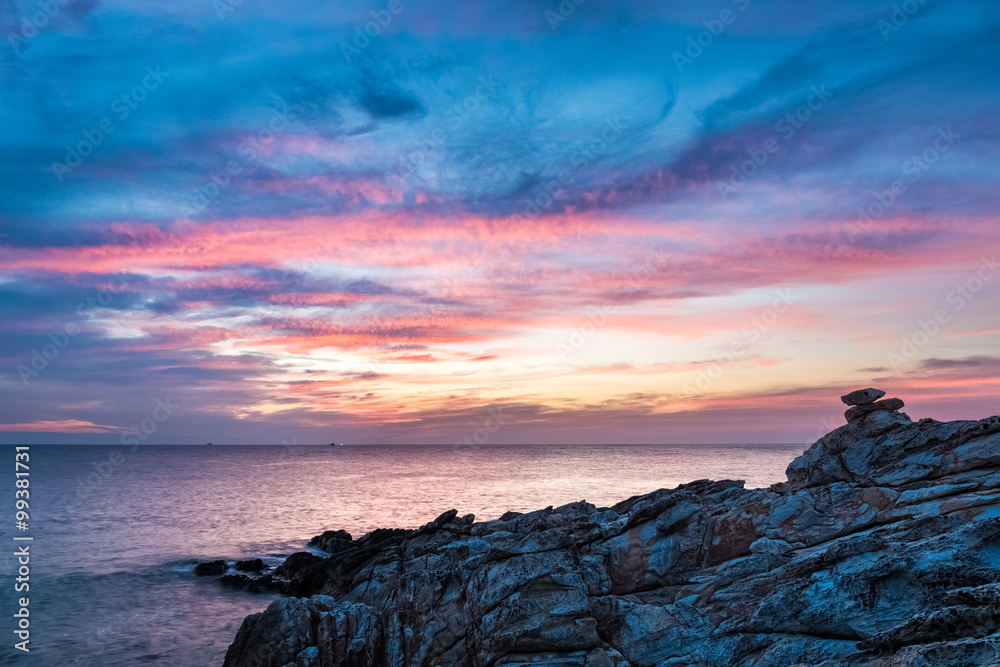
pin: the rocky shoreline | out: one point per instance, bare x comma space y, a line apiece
881, 548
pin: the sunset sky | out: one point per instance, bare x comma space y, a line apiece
504, 222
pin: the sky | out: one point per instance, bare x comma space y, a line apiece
485, 223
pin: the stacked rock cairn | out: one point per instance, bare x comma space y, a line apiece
865, 401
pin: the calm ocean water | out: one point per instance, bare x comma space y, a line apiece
117, 532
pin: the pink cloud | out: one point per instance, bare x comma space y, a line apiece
59, 426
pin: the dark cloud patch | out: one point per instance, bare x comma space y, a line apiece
974, 362
41, 302
387, 101
366, 286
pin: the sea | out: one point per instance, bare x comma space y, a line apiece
116, 531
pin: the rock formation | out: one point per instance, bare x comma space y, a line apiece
882, 549
865, 401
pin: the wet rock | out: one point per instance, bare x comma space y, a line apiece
383, 536
297, 562
279, 634
211, 568
253, 565
332, 541
881, 549
237, 581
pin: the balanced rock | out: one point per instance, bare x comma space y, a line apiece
859, 411
862, 396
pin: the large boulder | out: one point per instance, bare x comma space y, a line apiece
252, 565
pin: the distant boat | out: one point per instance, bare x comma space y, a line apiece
333, 444
207, 443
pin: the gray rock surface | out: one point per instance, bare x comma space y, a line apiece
882, 549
